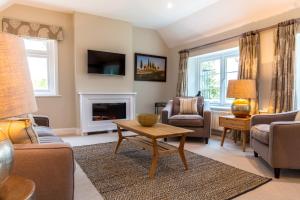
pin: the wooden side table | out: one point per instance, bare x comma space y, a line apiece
17, 188
231, 122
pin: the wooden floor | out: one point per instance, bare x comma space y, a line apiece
285, 188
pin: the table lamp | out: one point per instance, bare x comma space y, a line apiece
16, 93
242, 91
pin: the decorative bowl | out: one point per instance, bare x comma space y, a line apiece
147, 119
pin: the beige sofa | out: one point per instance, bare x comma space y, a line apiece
276, 138
200, 123
50, 164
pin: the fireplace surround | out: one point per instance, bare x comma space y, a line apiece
97, 110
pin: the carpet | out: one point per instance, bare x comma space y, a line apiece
125, 175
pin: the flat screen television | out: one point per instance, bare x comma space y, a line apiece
100, 62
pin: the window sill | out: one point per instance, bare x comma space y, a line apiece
47, 95
220, 108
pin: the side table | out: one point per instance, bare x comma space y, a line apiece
231, 122
159, 105
17, 188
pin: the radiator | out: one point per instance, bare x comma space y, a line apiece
215, 114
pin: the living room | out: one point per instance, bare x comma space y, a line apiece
165, 50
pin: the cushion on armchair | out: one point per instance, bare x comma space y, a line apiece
186, 120
188, 106
261, 133
176, 105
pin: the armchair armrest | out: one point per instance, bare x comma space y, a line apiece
50, 166
167, 112
269, 118
284, 145
207, 119
41, 120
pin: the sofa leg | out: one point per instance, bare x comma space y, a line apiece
255, 154
206, 140
276, 172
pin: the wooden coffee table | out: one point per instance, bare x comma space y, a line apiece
147, 138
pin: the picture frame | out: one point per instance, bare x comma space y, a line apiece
150, 67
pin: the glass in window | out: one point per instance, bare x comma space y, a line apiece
38, 67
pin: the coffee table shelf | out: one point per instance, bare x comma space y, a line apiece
147, 138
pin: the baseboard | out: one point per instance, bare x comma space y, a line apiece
67, 131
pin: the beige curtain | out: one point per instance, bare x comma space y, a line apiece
182, 74
249, 61
283, 67
23, 28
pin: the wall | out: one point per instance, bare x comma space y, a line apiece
148, 41
266, 53
60, 109
103, 34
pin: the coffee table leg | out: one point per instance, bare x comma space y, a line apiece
119, 140
181, 151
154, 159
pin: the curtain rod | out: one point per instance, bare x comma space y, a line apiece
230, 38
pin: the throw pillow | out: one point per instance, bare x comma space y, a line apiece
188, 106
297, 116
21, 131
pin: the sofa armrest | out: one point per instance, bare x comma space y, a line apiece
269, 118
50, 166
284, 145
41, 120
166, 112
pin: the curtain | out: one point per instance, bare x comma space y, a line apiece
182, 74
22, 28
248, 64
282, 92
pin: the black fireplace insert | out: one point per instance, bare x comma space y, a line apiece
109, 111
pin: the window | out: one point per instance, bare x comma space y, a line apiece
210, 74
42, 61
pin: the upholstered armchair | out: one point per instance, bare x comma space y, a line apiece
200, 122
276, 138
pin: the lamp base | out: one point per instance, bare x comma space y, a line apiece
6, 160
241, 108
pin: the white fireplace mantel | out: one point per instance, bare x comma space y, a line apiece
87, 99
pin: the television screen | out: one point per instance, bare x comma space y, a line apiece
100, 62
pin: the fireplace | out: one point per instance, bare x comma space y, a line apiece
108, 111
98, 110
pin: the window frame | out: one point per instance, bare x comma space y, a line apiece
222, 56
52, 66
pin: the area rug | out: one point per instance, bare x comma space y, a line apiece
125, 175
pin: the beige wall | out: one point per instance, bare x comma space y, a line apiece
60, 109
266, 54
148, 41
102, 34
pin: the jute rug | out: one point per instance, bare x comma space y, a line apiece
125, 175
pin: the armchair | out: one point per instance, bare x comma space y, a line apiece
276, 138
199, 123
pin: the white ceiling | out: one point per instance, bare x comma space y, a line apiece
185, 21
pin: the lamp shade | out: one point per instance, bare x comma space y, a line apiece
16, 91
241, 89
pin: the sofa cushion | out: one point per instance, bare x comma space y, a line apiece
50, 139
186, 120
20, 131
43, 131
297, 118
261, 133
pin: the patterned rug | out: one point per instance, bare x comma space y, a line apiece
125, 175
